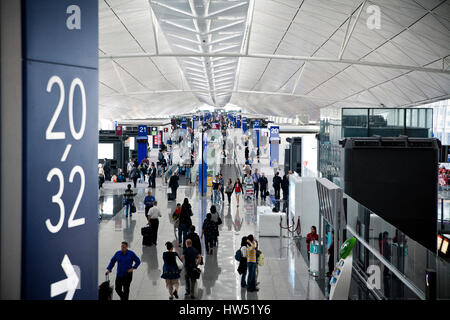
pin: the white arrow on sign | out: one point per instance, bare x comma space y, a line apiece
68, 285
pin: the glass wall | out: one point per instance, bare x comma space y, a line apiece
386, 122
337, 124
401, 252
441, 120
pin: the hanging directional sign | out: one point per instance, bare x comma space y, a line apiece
118, 130
60, 188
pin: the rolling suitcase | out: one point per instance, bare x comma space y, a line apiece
105, 291
146, 236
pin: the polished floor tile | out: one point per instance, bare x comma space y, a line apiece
283, 276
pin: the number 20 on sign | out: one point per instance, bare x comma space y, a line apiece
50, 134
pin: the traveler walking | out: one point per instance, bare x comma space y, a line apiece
188, 172
129, 168
251, 264
134, 174
255, 178
191, 259
215, 189
173, 184
107, 169
242, 268
164, 165
209, 232
195, 238
276, 183
101, 176
153, 214
148, 202
125, 267
171, 273
128, 200
285, 188
229, 190
263, 186
176, 217
312, 236
152, 176
237, 190
215, 217
142, 171
185, 222
222, 187
252, 156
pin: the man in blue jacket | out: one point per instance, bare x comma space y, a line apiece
148, 202
125, 259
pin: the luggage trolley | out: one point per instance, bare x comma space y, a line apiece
249, 191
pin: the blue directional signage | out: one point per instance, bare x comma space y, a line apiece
274, 144
61, 31
60, 187
142, 139
142, 131
256, 126
244, 124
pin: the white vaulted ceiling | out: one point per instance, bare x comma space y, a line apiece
303, 55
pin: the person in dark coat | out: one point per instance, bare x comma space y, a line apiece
173, 184
285, 188
152, 176
134, 174
196, 243
107, 170
276, 183
209, 229
246, 153
263, 186
185, 222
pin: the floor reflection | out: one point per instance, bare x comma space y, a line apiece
283, 276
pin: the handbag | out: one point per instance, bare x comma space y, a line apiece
133, 208
219, 221
195, 273
179, 263
261, 259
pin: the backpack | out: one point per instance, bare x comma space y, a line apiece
260, 259
238, 255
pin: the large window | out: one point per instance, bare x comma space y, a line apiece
441, 120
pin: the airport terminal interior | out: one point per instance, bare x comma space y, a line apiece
225, 150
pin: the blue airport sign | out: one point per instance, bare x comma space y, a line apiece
62, 31
60, 138
142, 131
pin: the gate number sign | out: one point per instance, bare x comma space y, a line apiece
60, 94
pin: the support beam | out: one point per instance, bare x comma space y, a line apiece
352, 29
299, 77
279, 57
173, 9
119, 76
212, 14
155, 32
